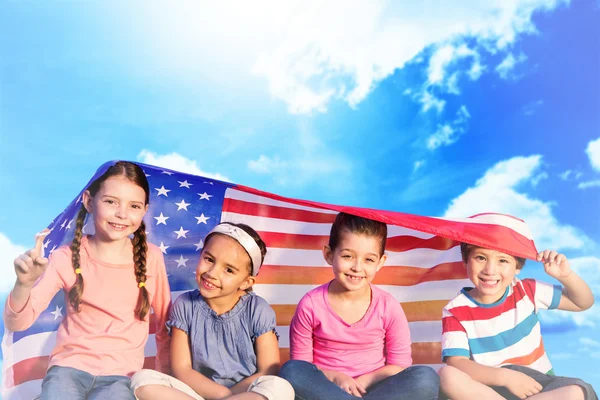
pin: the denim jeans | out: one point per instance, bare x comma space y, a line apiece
62, 383
414, 383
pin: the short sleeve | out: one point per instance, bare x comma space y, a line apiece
545, 295
455, 341
180, 315
397, 335
301, 331
263, 317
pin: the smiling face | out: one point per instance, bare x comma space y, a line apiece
223, 272
118, 208
355, 260
491, 273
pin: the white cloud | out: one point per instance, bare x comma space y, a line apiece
429, 102
418, 165
589, 184
497, 191
8, 252
531, 108
266, 165
506, 67
539, 177
306, 53
593, 152
565, 175
589, 342
449, 133
177, 162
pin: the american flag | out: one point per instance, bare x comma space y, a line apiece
423, 270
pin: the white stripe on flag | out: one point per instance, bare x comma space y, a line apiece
264, 224
435, 290
420, 258
254, 198
497, 219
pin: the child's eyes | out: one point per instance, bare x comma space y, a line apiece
370, 260
229, 271
137, 206
346, 256
208, 259
110, 201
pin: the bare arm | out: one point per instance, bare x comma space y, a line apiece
577, 295
489, 376
181, 365
267, 361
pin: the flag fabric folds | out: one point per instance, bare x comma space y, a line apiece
423, 270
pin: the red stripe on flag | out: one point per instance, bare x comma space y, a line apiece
27, 370
270, 211
388, 275
316, 242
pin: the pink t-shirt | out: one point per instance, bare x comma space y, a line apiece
105, 338
318, 335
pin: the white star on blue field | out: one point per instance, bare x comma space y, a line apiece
432, 108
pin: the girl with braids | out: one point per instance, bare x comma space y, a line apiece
223, 339
110, 282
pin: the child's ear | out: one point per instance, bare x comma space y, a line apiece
328, 254
87, 201
517, 271
381, 261
248, 283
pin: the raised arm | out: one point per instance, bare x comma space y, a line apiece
576, 295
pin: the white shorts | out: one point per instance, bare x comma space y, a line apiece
270, 386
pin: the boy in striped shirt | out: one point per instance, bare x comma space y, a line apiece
492, 343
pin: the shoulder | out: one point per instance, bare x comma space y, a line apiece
154, 252
460, 300
313, 296
385, 300
187, 299
61, 258
255, 302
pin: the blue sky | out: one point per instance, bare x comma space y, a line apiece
440, 108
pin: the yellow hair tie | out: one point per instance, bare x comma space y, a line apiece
141, 284
78, 271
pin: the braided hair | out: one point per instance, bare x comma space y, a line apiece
140, 247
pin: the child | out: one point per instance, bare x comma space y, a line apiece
495, 324
110, 282
223, 339
350, 339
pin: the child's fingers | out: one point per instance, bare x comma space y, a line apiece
360, 389
38, 249
560, 258
23, 263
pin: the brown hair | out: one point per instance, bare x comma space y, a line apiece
253, 234
140, 248
357, 225
466, 248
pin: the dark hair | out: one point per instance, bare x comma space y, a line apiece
466, 248
253, 234
357, 225
140, 248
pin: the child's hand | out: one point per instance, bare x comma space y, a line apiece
556, 265
346, 383
32, 264
520, 384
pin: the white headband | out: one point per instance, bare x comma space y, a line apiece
245, 240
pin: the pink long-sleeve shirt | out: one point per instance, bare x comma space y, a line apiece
105, 337
318, 335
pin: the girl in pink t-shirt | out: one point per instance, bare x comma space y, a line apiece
348, 338
110, 282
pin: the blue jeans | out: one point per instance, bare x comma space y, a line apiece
62, 383
414, 383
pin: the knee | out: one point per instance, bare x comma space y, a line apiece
293, 368
574, 392
425, 378
272, 387
142, 392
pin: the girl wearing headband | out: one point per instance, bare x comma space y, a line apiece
223, 338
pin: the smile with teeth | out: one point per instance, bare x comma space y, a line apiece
117, 226
208, 285
354, 278
489, 282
